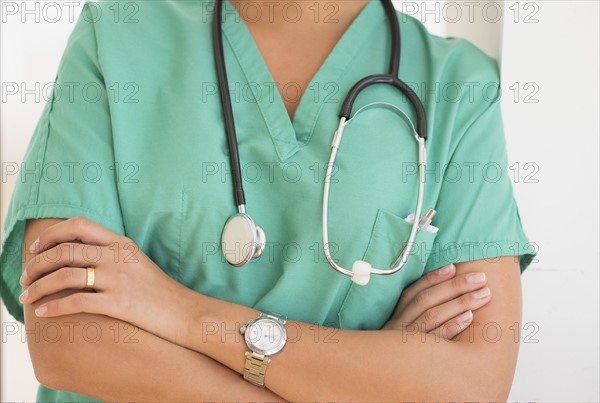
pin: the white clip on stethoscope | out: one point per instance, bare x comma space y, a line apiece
241, 231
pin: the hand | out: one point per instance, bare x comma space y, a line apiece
441, 302
128, 285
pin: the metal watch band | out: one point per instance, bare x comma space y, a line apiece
255, 368
274, 317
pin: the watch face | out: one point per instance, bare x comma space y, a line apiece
265, 336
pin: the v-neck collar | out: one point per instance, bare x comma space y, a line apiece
289, 137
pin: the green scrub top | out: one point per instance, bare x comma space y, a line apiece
133, 138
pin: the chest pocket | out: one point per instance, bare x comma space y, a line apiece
370, 306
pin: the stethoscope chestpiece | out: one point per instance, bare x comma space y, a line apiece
242, 240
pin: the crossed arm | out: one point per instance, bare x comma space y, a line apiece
401, 364
129, 364
398, 363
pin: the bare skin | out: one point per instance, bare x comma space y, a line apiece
132, 368
294, 52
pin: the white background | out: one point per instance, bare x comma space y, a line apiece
549, 51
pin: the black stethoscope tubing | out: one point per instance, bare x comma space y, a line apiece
391, 78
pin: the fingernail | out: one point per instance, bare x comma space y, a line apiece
446, 269
466, 317
475, 278
479, 294
23, 278
23, 295
34, 245
41, 310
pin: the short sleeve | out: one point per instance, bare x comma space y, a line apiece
477, 214
69, 165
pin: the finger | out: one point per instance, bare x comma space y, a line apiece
63, 255
442, 292
454, 326
429, 280
61, 279
75, 229
437, 315
82, 302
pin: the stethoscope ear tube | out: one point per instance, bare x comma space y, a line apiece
361, 270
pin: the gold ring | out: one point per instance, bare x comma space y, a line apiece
91, 278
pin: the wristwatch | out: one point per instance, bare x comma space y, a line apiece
265, 336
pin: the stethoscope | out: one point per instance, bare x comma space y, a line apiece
242, 240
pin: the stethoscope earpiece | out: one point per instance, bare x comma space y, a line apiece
242, 240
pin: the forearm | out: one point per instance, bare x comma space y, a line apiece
357, 365
110, 360
324, 364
